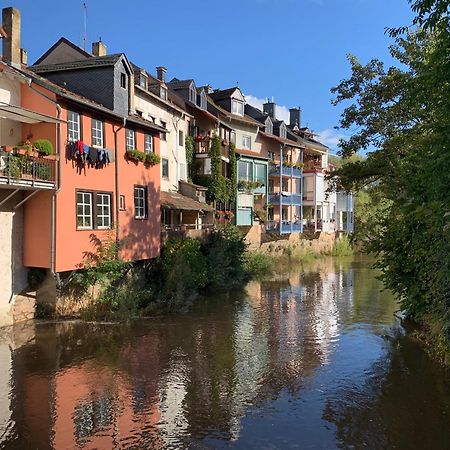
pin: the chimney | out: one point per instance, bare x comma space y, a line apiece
269, 108
23, 57
11, 43
161, 73
98, 48
294, 116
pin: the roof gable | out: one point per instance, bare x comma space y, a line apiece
233, 92
62, 51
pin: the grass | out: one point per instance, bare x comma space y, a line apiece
258, 265
342, 247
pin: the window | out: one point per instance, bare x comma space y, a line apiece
165, 167
202, 100
283, 130
181, 138
245, 170
233, 137
260, 173
140, 202
142, 81
192, 95
237, 107
129, 139
163, 135
103, 211
122, 202
163, 93
246, 142
84, 210
87, 203
271, 156
148, 143
269, 126
73, 126
285, 186
123, 80
284, 214
97, 133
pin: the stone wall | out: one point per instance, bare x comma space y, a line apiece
317, 243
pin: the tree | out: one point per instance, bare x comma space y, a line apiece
403, 114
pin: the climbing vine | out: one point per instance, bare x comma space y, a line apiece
189, 146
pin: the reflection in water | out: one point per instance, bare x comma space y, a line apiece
311, 358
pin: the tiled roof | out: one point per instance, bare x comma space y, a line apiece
230, 116
175, 83
256, 113
245, 152
175, 200
281, 140
94, 61
222, 94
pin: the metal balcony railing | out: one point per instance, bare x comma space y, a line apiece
23, 169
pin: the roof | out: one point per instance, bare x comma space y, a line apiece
280, 139
175, 83
245, 152
222, 94
243, 119
256, 113
65, 41
25, 115
71, 96
175, 200
92, 61
197, 186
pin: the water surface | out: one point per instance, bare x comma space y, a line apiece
313, 358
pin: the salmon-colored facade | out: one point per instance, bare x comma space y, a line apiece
73, 245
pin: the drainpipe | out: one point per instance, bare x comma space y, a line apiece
116, 178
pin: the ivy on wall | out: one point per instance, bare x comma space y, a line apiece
189, 146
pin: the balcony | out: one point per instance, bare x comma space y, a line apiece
285, 171
285, 199
27, 172
313, 166
203, 146
287, 227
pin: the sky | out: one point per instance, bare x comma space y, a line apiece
293, 51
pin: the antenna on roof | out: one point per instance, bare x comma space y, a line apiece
85, 25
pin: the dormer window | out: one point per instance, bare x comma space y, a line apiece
163, 93
237, 107
143, 81
283, 131
192, 95
202, 100
269, 127
123, 80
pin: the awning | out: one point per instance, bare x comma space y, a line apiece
174, 200
24, 115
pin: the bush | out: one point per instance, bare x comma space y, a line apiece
257, 265
43, 146
342, 247
149, 159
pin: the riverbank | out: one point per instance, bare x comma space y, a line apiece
110, 289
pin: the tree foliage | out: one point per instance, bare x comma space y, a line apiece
402, 115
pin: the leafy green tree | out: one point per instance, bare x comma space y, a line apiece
402, 113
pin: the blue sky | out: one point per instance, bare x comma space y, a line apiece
292, 50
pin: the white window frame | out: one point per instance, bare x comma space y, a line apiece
140, 203
73, 126
163, 161
245, 145
248, 171
148, 143
143, 81
163, 93
97, 133
86, 204
103, 219
237, 107
130, 139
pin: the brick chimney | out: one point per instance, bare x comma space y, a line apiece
161, 73
269, 108
294, 116
98, 48
11, 43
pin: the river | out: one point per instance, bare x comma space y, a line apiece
312, 358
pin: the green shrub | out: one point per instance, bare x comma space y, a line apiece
342, 247
257, 265
43, 146
149, 159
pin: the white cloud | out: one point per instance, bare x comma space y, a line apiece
281, 112
330, 137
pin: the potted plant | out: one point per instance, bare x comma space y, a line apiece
45, 148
